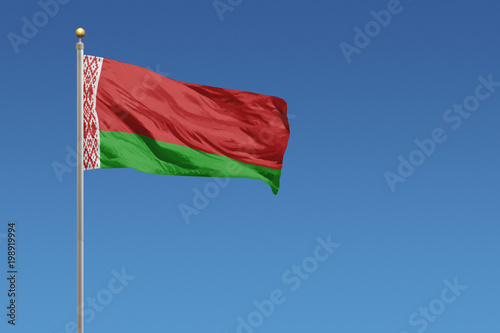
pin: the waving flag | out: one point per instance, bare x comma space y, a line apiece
136, 118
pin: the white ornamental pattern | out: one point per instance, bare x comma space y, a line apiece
91, 143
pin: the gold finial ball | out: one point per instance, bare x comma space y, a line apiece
80, 33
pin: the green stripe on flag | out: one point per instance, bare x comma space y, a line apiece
127, 150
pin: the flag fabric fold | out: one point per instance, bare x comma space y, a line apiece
136, 118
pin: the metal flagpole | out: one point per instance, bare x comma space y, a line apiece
79, 180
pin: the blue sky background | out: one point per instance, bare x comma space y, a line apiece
350, 122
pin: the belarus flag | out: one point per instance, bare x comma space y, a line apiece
136, 118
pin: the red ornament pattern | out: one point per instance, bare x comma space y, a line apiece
91, 144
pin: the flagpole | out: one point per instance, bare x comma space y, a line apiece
80, 33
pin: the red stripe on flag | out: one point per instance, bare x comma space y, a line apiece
247, 127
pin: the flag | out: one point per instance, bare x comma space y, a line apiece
136, 118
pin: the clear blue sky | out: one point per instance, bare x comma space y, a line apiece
393, 159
